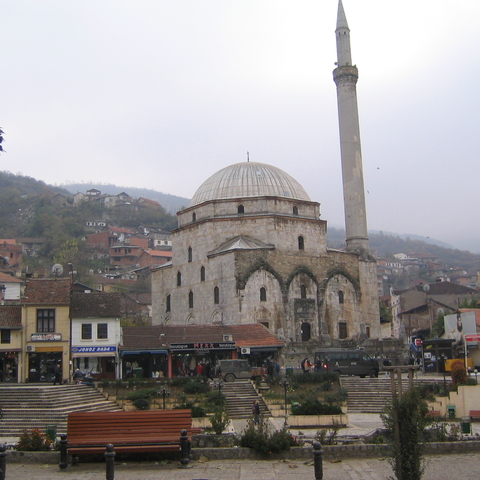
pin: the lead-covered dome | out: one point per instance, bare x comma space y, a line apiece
249, 179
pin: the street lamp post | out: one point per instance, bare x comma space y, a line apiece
164, 392
218, 384
444, 358
286, 383
475, 372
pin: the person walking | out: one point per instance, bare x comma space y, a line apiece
256, 412
57, 375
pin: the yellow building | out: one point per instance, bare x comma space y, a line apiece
10, 342
47, 330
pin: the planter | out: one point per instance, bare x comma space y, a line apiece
317, 420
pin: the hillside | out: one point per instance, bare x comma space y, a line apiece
171, 203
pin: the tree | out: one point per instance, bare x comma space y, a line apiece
1, 140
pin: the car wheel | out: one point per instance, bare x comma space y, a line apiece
230, 377
373, 374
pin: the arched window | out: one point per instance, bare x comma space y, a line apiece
303, 291
240, 209
295, 210
367, 331
216, 295
342, 330
190, 254
190, 299
301, 243
263, 294
167, 309
340, 296
202, 274
179, 279
194, 217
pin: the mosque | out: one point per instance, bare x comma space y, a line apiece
251, 247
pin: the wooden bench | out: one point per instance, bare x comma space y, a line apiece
130, 432
474, 414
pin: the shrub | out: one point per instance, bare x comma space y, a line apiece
33, 441
258, 438
197, 412
196, 386
315, 407
459, 373
146, 393
220, 420
141, 403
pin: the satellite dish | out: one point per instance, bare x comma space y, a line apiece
57, 270
426, 287
440, 311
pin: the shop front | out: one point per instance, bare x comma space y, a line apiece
144, 364
185, 358
98, 362
9, 365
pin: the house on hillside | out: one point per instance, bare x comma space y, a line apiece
10, 288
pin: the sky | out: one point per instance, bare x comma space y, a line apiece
162, 94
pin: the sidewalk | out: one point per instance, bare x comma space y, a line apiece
444, 467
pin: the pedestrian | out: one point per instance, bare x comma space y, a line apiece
77, 376
199, 370
256, 412
57, 374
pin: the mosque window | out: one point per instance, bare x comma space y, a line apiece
303, 291
202, 274
295, 210
240, 209
194, 217
342, 330
190, 254
305, 332
263, 294
301, 243
340, 297
367, 331
216, 295
190, 299
179, 279
167, 309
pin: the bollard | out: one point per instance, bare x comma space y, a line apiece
3, 461
317, 460
63, 452
110, 462
184, 450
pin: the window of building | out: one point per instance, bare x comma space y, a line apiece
263, 294
266, 324
340, 297
303, 291
86, 331
190, 299
190, 254
295, 210
194, 217
342, 330
216, 295
45, 320
202, 274
301, 243
240, 209
102, 331
367, 331
5, 336
169, 306
305, 332
179, 279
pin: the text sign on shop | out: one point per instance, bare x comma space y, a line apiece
472, 338
46, 337
94, 349
177, 347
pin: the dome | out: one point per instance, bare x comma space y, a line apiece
249, 179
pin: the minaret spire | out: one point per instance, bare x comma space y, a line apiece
345, 77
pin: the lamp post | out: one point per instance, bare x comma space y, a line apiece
475, 372
164, 392
444, 358
286, 383
218, 384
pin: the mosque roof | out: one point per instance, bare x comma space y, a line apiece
241, 242
249, 179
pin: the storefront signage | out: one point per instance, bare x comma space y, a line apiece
94, 349
176, 347
46, 337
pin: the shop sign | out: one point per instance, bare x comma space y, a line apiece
46, 337
177, 347
102, 349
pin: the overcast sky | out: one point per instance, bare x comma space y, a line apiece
162, 94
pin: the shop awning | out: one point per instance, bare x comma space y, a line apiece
138, 352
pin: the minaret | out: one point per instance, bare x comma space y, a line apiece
345, 77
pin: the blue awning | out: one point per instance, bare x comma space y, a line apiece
139, 352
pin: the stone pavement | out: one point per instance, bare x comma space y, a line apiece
443, 467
